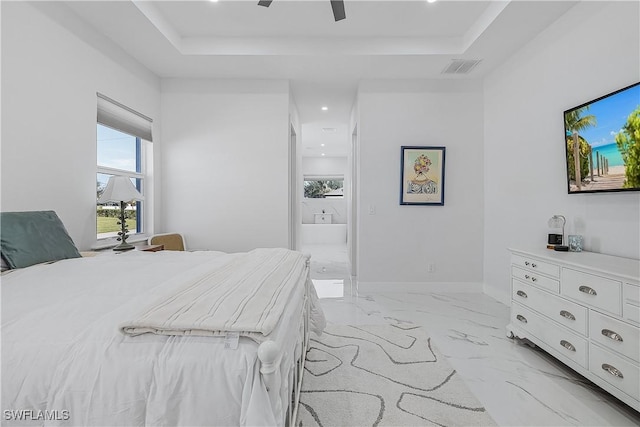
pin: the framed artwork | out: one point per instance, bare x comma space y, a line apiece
422, 171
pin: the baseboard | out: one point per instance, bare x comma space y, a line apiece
497, 295
418, 287
424, 287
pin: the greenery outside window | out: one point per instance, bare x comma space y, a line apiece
323, 187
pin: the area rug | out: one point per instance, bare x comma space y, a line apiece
383, 375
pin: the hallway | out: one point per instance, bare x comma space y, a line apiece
330, 270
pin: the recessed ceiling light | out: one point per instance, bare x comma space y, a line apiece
321, 145
323, 154
325, 108
431, 1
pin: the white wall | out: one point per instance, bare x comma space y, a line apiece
324, 165
225, 162
591, 51
396, 244
52, 67
295, 174
353, 184
336, 206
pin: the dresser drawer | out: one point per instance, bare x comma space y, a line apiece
631, 313
567, 343
631, 294
567, 313
615, 335
631, 302
618, 372
522, 318
535, 279
596, 291
536, 265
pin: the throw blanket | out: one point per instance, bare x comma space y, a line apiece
247, 295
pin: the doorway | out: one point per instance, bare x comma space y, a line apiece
326, 217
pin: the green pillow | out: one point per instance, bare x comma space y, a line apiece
28, 238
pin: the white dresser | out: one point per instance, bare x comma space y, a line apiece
583, 308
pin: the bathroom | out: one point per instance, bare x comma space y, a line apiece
324, 205
324, 217
324, 221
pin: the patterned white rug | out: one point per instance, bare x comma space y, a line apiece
383, 375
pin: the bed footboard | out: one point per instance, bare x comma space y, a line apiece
296, 371
270, 356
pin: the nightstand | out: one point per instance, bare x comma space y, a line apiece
150, 248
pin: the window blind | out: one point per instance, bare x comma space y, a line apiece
120, 117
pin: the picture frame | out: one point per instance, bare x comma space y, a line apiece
422, 175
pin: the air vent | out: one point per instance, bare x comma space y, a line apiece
329, 130
461, 66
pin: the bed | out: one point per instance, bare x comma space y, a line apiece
80, 346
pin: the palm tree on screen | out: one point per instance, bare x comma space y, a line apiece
628, 141
576, 121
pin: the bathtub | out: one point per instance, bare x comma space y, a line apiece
324, 234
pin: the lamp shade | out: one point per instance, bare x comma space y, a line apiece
120, 189
557, 221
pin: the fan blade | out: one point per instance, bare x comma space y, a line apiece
265, 3
338, 9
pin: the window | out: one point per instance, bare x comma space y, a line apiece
322, 187
122, 137
118, 154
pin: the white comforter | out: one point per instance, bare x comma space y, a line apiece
62, 350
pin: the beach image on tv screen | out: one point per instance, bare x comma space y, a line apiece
603, 143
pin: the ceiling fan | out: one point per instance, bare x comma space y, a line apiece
336, 5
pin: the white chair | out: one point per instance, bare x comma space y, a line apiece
171, 241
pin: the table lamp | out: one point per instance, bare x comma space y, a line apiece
121, 189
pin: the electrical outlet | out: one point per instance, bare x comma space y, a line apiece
372, 209
431, 267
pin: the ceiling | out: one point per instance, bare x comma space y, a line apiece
324, 60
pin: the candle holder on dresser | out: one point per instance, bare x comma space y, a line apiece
575, 242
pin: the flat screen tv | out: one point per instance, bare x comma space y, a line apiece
602, 143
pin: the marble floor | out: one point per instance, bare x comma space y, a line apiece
518, 385
328, 261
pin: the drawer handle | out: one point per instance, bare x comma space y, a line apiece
567, 315
567, 345
527, 263
612, 370
533, 279
521, 318
587, 290
524, 295
534, 265
613, 335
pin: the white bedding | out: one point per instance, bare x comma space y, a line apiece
247, 294
62, 349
